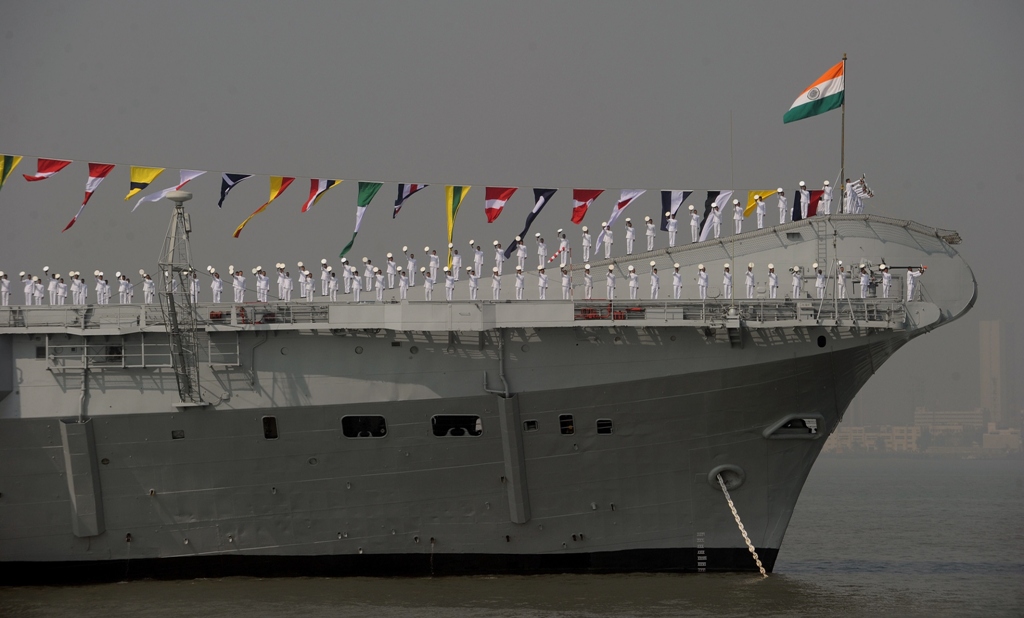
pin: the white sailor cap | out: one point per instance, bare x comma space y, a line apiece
862, 265
405, 248
518, 239
376, 270
22, 274
1, 273
541, 269
390, 256
471, 242
101, 273
668, 213
260, 268
469, 268
300, 265
826, 183
365, 259
36, 279
118, 274
735, 202
354, 269
803, 184
779, 190
750, 265
840, 262
329, 269
559, 231
537, 235
323, 260
631, 268
757, 197
646, 218
604, 224
96, 273
450, 245
209, 269
46, 269
883, 267
255, 270
495, 243
676, 265
814, 265
57, 276
519, 267
700, 267
586, 229
726, 265
423, 269
446, 269
653, 263
344, 260
771, 267
586, 266
628, 220
426, 249
611, 267
494, 270
796, 269
691, 207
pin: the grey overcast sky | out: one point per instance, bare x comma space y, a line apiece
531, 94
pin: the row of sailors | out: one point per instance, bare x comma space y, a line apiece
378, 280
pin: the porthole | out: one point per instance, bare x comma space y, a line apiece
414, 350
359, 349
822, 341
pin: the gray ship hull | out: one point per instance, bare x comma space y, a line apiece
657, 408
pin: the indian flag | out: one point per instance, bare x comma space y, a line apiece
826, 93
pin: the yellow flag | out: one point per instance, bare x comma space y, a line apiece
277, 186
752, 203
141, 177
453, 196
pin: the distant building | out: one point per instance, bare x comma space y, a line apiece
997, 373
949, 420
878, 439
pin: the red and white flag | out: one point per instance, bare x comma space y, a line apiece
317, 188
97, 172
46, 168
494, 201
186, 176
582, 200
625, 199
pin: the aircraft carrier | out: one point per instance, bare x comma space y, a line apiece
413, 437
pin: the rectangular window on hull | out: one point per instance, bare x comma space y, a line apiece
270, 427
457, 425
566, 424
530, 426
364, 426
604, 426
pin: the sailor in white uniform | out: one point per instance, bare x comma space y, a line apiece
325, 277
309, 286
634, 282
751, 281
51, 284
449, 284
378, 279
392, 271
566, 285
499, 256
820, 281
237, 284
630, 236
263, 283
542, 284
798, 283
783, 206
587, 244
702, 282
149, 289
367, 274
403, 285
280, 280
761, 209
40, 289
5, 289
673, 228
610, 282
825, 207
495, 283
474, 283
101, 296
886, 280
841, 281
737, 217
694, 224
849, 198
865, 281
588, 283
655, 283
912, 276
122, 288
428, 283
563, 249
727, 281
357, 283
216, 285
805, 199
650, 233
715, 220
435, 264
773, 282
677, 282
609, 238
332, 287
478, 259
521, 253
28, 285
288, 285
410, 265
542, 251
520, 283
62, 291
456, 262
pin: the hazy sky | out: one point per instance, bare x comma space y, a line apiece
531, 94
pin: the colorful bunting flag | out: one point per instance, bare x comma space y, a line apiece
752, 203
46, 168
812, 208
278, 184
627, 197
227, 183
141, 177
9, 163
582, 200
317, 188
453, 196
494, 201
367, 190
405, 191
185, 177
826, 93
670, 203
721, 200
541, 197
97, 172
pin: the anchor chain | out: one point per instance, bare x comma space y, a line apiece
739, 524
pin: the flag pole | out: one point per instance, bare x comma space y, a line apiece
842, 139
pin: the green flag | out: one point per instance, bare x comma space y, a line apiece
7, 166
366, 192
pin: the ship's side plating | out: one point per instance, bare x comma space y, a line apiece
602, 456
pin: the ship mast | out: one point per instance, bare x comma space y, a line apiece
176, 302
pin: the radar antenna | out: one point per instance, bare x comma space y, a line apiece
176, 301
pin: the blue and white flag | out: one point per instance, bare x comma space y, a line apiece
670, 203
227, 183
405, 191
541, 198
